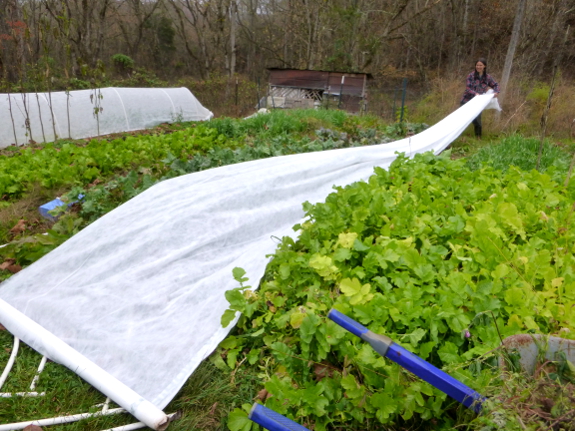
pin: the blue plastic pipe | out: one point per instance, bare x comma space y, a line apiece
273, 421
413, 363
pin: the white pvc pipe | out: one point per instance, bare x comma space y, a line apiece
10, 361
21, 394
58, 420
134, 426
60, 352
106, 405
37, 376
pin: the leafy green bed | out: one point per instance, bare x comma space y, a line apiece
65, 163
426, 253
212, 143
445, 260
107, 173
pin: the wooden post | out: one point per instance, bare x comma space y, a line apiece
236, 92
258, 94
393, 110
364, 96
404, 90
341, 91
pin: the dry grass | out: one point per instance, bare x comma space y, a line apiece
523, 106
25, 209
225, 97
524, 402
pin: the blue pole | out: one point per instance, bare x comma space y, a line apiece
273, 421
413, 363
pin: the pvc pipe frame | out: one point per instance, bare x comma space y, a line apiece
11, 360
62, 353
21, 394
139, 425
8, 368
75, 418
58, 420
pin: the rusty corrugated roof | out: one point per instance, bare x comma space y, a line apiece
354, 83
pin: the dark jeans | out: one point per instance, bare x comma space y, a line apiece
476, 124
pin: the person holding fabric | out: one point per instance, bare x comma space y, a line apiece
478, 82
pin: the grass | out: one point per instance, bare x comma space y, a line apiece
66, 393
210, 394
204, 401
519, 401
522, 153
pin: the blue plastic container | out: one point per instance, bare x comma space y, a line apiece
49, 207
44, 209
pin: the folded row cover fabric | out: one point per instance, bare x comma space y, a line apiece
45, 117
140, 292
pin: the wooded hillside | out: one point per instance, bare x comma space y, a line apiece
52, 41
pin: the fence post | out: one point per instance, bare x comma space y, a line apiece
258, 93
393, 113
404, 90
341, 91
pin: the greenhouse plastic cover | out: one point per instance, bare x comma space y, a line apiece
140, 292
73, 114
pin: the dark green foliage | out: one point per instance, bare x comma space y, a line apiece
108, 173
520, 152
424, 253
122, 62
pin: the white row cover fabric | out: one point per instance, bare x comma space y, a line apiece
140, 292
45, 117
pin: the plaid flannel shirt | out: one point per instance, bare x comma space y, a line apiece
478, 86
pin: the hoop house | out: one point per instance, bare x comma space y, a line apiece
45, 117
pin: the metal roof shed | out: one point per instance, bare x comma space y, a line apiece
293, 88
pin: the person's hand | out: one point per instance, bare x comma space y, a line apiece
496, 94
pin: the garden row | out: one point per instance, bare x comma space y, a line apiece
444, 256
108, 172
445, 260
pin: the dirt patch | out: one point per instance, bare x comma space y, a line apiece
22, 218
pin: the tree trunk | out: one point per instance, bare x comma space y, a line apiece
233, 31
545, 115
511, 49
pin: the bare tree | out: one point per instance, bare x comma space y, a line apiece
85, 23
511, 48
203, 37
132, 18
206, 24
